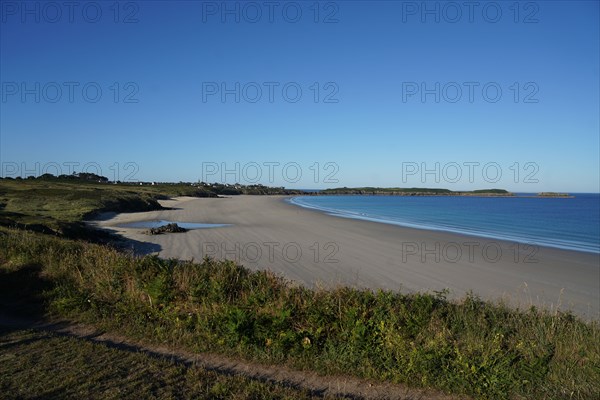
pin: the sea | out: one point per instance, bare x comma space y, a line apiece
566, 223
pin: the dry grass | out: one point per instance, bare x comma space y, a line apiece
45, 365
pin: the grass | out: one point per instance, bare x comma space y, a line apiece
473, 347
30, 360
55, 206
58, 206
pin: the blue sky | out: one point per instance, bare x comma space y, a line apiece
497, 95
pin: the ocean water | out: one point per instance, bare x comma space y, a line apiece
569, 223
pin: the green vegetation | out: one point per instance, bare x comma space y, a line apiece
494, 191
59, 205
29, 361
237, 189
474, 348
376, 190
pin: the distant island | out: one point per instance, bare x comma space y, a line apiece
416, 192
556, 195
434, 192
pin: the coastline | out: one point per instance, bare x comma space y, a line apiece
454, 231
320, 250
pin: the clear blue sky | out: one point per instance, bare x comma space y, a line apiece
374, 58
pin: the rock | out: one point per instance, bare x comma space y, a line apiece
169, 228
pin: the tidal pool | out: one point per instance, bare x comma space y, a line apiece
157, 223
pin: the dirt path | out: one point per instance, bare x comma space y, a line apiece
338, 386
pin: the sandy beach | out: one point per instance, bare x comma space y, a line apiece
320, 250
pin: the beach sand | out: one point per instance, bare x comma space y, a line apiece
320, 250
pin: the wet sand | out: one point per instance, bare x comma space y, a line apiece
320, 250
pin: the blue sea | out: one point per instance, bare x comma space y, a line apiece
567, 223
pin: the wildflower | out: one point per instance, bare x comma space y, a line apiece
306, 342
